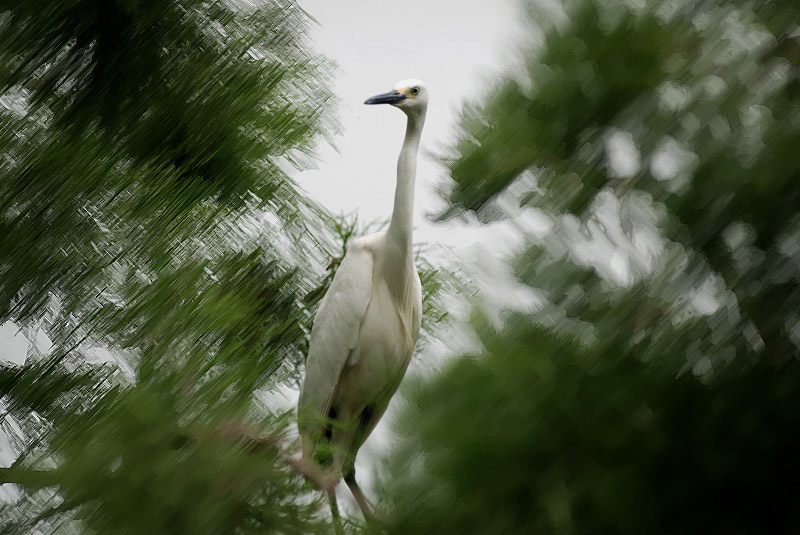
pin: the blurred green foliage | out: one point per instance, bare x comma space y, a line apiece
660, 396
709, 94
122, 112
541, 435
150, 232
146, 216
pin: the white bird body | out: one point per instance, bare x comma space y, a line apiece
387, 334
368, 322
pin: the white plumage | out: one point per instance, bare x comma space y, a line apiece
367, 324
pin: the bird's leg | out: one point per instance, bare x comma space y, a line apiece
337, 519
349, 469
366, 508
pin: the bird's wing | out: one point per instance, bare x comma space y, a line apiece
335, 333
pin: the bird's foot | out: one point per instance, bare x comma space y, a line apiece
324, 479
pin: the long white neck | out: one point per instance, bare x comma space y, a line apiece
403, 215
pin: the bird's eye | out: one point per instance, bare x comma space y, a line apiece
414, 90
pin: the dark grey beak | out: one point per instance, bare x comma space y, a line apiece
392, 97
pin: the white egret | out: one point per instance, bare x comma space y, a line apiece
367, 324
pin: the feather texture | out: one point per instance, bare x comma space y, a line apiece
334, 335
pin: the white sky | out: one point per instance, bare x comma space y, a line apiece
13, 344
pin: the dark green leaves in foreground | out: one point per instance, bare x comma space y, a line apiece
541, 435
155, 252
655, 387
127, 116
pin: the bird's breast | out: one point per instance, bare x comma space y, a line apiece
382, 354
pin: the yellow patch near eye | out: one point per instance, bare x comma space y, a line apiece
407, 92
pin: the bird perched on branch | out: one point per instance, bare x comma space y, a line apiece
367, 324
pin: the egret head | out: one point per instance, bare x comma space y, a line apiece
411, 96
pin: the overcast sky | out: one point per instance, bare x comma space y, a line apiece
453, 46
